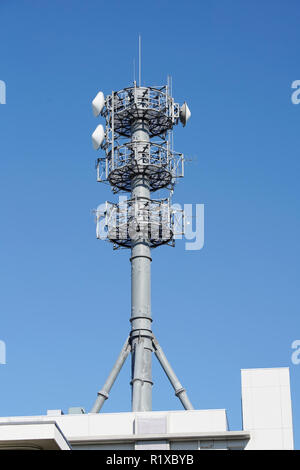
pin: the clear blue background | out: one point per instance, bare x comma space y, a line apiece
65, 297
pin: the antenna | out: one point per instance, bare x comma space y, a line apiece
140, 60
137, 162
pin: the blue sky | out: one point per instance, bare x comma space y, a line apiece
65, 300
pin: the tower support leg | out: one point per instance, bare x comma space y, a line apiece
179, 390
104, 392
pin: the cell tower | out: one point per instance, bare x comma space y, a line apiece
139, 159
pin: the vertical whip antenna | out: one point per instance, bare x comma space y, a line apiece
140, 60
134, 78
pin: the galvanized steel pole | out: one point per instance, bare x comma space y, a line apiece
141, 332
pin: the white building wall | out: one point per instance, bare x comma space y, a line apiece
267, 408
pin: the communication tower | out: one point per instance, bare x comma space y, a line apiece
139, 159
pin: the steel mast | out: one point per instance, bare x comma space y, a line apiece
139, 160
141, 329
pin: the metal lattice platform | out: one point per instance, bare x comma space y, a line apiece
155, 161
142, 220
153, 105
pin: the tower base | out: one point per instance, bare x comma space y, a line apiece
267, 424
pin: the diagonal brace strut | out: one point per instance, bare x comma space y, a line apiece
180, 392
104, 392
